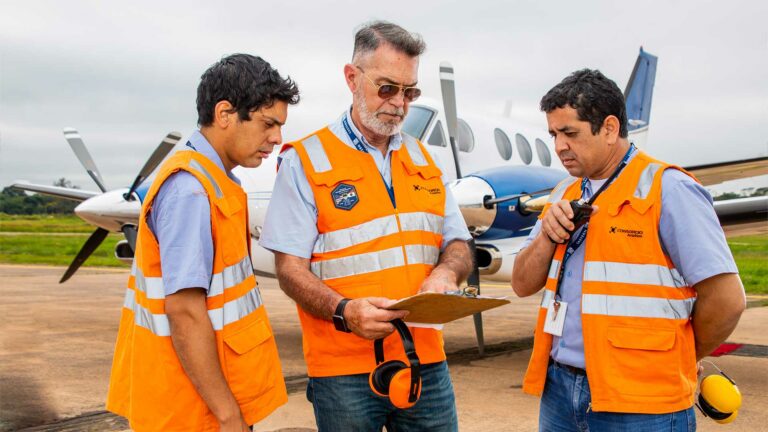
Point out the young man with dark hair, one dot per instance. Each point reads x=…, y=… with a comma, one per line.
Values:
x=618, y=338
x=359, y=217
x=195, y=350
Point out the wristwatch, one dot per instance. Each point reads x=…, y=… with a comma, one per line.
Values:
x=338, y=317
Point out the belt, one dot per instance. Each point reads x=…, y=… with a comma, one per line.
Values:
x=569, y=368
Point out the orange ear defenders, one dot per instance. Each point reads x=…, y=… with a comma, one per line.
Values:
x=395, y=379
x=719, y=398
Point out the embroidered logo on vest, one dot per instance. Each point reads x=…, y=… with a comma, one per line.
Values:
x=344, y=196
x=627, y=232
x=431, y=191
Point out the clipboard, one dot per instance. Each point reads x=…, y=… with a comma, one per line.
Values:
x=435, y=308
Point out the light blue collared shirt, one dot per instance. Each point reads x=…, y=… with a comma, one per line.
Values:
x=291, y=222
x=181, y=221
x=690, y=234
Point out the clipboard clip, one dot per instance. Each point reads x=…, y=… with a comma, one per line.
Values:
x=468, y=291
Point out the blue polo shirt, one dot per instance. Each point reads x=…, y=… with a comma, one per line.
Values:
x=690, y=234
x=291, y=223
x=181, y=221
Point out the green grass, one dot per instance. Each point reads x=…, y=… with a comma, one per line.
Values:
x=751, y=254
x=56, y=249
x=43, y=224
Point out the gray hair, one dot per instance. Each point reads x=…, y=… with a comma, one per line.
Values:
x=372, y=34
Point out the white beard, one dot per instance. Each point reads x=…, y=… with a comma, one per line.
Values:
x=371, y=120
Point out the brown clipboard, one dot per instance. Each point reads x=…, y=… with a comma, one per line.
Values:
x=435, y=308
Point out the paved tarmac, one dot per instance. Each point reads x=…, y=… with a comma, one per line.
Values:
x=56, y=344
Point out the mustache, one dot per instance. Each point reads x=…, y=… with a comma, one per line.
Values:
x=398, y=112
x=567, y=155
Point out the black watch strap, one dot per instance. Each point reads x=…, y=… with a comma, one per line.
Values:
x=338, y=317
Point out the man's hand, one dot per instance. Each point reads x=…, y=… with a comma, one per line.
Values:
x=558, y=221
x=194, y=340
x=439, y=282
x=367, y=318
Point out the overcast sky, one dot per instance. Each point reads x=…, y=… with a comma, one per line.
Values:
x=125, y=74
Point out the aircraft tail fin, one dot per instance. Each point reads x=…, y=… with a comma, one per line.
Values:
x=638, y=95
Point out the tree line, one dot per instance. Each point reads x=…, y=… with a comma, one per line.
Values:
x=14, y=201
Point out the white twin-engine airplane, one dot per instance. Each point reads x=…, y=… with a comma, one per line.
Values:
x=508, y=167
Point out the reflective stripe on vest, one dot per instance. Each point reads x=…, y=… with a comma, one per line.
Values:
x=632, y=306
x=414, y=151
x=641, y=274
x=229, y=277
x=196, y=165
x=547, y=297
x=231, y=312
x=379, y=227
x=374, y=261
x=554, y=267
x=646, y=180
x=316, y=153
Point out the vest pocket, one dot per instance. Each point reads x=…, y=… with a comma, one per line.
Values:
x=251, y=362
x=231, y=230
x=642, y=361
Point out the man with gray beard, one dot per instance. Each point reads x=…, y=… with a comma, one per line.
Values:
x=360, y=217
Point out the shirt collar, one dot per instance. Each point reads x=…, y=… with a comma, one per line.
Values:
x=395, y=141
x=592, y=185
x=198, y=143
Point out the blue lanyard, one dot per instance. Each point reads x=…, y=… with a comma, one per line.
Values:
x=360, y=144
x=576, y=242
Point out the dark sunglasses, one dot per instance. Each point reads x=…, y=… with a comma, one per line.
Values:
x=387, y=91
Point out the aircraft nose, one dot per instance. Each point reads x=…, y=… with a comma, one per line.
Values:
x=470, y=193
x=109, y=210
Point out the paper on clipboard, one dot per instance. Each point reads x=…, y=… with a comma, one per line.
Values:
x=435, y=308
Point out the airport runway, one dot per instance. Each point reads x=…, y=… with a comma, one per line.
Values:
x=56, y=345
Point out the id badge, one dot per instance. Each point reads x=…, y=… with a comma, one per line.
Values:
x=555, y=320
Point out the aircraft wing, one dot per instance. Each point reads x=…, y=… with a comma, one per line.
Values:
x=55, y=191
x=734, y=211
x=719, y=172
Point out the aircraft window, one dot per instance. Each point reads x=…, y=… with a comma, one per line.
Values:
x=503, y=144
x=524, y=148
x=417, y=120
x=543, y=151
x=437, y=138
x=466, y=137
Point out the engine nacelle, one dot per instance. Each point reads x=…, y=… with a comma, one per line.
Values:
x=123, y=252
x=503, y=220
x=496, y=261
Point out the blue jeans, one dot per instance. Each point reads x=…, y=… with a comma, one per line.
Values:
x=565, y=406
x=347, y=404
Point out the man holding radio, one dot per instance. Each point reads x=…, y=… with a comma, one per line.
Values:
x=621, y=283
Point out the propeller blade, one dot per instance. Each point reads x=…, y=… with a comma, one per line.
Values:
x=489, y=202
x=448, y=89
x=473, y=281
x=90, y=245
x=154, y=160
x=131, y=233
x=76, y=142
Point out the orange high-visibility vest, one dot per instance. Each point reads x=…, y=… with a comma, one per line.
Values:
x=148, y=384
x=636, y=308
x=368, y=248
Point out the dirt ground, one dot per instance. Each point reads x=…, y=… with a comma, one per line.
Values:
x=56, y=344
